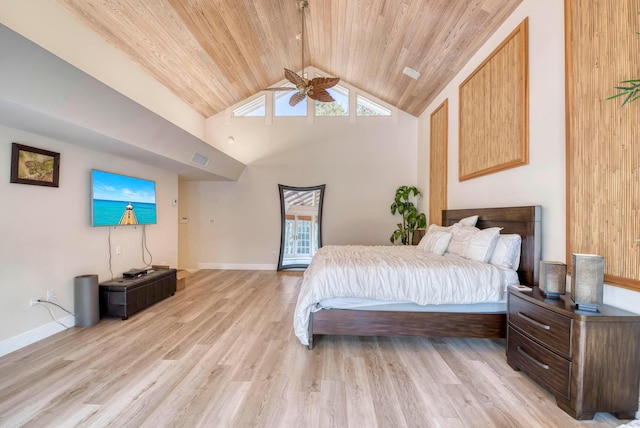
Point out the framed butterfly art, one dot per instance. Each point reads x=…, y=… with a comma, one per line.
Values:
x=30, y=165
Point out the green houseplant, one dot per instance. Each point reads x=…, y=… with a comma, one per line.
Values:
x=404, y=205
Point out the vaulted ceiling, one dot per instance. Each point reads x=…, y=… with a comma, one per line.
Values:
x=216, y=53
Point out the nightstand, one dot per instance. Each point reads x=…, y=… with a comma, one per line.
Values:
x=589, y=361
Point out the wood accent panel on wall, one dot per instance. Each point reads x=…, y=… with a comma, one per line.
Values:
x=494, y=110
x=603, y=154
x=438, y=145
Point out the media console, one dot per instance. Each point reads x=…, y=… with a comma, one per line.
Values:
x=122, y=297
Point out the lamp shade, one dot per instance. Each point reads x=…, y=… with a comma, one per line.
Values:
x=587, y=281
x=553, y=278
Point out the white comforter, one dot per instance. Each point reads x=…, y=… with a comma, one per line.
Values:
x=393, y=273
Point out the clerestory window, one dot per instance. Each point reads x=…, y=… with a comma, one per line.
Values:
x=253, y=108
x=366, y=107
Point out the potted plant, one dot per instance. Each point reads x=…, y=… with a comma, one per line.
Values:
x=411, y=220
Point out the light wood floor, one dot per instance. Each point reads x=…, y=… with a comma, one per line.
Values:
x=221, y=353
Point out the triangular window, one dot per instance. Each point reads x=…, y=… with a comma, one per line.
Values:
x=340, y=107
x=366, y=107
x=253, y=108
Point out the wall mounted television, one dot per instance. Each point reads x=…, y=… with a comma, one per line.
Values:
x=120, y=200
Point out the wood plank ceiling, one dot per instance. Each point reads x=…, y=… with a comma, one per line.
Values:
x=216, y=53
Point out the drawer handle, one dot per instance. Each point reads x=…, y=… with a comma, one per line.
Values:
x=533, y=360
x=534, y=322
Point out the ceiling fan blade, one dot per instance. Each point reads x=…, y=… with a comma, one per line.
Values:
x=281, y=88
x=324, y=82
x=321, y=95
x=296, y=98
x=293, y=77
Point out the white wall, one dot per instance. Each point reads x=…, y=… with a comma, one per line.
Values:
x=361, y=163
x=542, y=181
x=47, y=238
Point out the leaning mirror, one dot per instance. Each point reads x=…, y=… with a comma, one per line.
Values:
x=301, y=220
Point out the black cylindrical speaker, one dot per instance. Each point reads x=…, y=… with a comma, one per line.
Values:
x=86, y=300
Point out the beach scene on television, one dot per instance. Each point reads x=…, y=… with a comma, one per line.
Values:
x=122, y=200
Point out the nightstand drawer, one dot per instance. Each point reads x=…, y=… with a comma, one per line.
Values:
x=547, y=327
x=542, y=365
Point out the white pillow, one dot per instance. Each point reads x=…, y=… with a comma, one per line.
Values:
x=469, y=221
x=460, y=238
x=473, y=243
x=435, y=242
x=506, y=254
x=481, y=245
x=436, y=228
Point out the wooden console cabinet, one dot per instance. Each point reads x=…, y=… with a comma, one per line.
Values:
x=124, y=296
x=590, y=361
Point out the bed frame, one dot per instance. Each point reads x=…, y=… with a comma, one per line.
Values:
x=524, y=221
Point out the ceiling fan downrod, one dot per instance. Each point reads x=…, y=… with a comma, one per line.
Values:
x=315, y=88
x=303, y=5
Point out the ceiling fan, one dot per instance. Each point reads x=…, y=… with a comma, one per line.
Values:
x=315, y=88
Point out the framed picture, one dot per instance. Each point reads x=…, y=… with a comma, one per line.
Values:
x=30, y=165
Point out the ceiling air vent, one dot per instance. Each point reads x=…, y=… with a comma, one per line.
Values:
x=411, y=73
x=199, y=159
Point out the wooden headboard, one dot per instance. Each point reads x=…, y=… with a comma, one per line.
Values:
x=525, y=221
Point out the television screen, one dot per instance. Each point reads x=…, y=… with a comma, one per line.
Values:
x=118, y=200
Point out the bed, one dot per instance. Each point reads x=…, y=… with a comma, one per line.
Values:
x=491, y=323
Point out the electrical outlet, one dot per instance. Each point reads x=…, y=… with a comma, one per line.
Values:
x=33, y=302
x=51, y=295
x=118, y=250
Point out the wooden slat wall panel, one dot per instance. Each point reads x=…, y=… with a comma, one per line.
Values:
x=439, y=142
x=603, y=154
x=494, y=110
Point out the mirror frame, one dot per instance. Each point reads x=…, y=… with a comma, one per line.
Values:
x=281, y=189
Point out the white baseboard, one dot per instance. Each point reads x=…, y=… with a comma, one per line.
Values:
x=237, y=266
x=32, y=336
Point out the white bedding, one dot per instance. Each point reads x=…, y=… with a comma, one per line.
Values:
x=360, y=304
x=396, y=274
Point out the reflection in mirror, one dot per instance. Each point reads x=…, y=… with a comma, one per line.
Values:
x=301, y=236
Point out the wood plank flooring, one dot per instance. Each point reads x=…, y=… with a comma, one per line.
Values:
x=222, y=353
